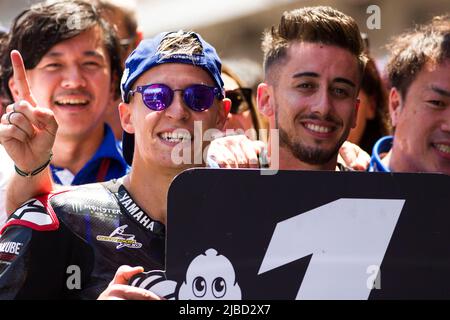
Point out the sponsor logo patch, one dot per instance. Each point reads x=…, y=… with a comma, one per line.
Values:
x=84, y=208
x=11, y=247
x=122, y=239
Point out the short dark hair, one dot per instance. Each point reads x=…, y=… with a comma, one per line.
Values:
x=411, y=50
x=312, y=24
x=37, y=29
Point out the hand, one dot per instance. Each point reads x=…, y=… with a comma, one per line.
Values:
x=236, y=151
x=352, y=156
x=27, y=131
x=118, y=289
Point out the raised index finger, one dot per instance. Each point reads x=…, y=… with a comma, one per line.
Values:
x=20, y=78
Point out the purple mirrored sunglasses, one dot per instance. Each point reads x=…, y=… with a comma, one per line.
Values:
x=197, y=97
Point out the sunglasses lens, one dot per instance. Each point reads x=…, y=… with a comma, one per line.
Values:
x=239, y=102
x=236, y=100
x=199, y=97
x=157, y=97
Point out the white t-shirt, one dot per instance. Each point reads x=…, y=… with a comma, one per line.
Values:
x=6, y=171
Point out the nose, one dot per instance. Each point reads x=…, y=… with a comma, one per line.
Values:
x=73, y=78
x=178, y=109
x=322, y=104
x=446, y=126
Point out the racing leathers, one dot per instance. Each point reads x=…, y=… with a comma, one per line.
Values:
x=68, y=245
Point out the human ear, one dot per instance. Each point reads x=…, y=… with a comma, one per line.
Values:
x=264, y=99
x=395, y=106
x=224, y=110
x=126, y=118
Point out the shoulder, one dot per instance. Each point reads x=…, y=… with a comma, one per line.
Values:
x=43, y=213
x=36, y=214
x=87, y=193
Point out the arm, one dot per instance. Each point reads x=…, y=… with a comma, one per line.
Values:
x=238, y=151
x=27, y=133
x=27, y=270
x=20, y=189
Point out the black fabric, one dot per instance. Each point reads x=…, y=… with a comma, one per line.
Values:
x=128, y=147
x=96, y=234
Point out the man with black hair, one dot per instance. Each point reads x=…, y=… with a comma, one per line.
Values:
x=419, y=102
x=72, y=61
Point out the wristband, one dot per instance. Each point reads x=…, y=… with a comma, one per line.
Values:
x=34, y=172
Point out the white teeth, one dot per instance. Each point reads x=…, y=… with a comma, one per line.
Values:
x=176, y=136
x=443, y=147
x=72, y=101
x=317, y=128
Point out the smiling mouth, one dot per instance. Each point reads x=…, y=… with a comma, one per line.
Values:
x=175, y=137
x=71, y=102
x=317, y=128
x=445, y=148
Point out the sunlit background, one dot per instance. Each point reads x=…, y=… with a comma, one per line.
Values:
x=234, y=27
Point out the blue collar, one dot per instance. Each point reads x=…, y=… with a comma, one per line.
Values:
x=108, y=149
x=383, y=145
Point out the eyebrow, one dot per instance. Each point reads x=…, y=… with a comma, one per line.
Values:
x=316, y=75
x=440, y=91
x=89, y=53
x=92, y=53
x=306, y=74
x=344, y=80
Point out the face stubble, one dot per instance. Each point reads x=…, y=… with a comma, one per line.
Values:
x=314, y=155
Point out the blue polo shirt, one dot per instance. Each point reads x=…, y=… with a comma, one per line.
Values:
x=107, y=159
x=381, y=146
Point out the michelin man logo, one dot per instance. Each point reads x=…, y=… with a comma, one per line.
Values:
x=210, y=276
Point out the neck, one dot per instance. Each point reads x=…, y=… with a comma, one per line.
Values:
x=397, y=161
x=73, y=152
x=149, y=188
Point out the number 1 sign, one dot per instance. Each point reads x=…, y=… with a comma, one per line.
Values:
x=237, y=234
